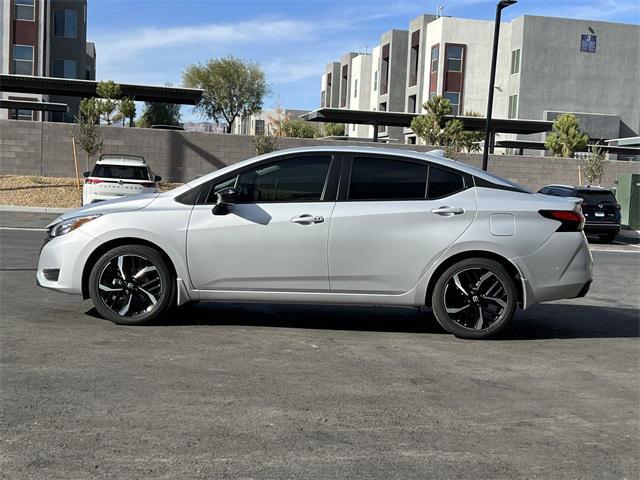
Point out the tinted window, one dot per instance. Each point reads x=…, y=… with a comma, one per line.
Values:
x=380, y=179
x=443, y=183
x=291, y=180
x=121, y=171
x=591, y=196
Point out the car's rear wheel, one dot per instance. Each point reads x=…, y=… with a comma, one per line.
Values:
x=132, y=285
x=474, y=298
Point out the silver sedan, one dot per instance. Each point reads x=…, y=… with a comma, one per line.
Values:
x=330, y=225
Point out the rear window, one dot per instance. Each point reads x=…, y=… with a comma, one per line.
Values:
x=121, y=171
x=591, y=196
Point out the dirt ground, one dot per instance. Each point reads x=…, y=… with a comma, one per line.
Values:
x=56, y=192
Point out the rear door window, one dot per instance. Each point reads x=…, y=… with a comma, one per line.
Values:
x=125, y=172
x=375, y=178
x=443, y=183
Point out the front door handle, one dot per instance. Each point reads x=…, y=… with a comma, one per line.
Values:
x=447, y=211
x=307, y=219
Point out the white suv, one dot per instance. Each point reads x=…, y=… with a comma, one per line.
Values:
x=118, y=176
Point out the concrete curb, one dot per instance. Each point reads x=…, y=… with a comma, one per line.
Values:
x=13, y=208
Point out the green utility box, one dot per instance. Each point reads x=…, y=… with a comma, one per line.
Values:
x=628, y=196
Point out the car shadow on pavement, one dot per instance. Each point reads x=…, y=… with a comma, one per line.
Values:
x=544, y=321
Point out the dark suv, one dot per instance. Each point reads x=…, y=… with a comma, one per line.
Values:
x=599, y=206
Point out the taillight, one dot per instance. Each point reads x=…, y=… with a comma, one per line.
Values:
x=570, y=221
x=93, y=180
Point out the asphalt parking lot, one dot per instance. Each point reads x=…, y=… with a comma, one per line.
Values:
x=268, y=391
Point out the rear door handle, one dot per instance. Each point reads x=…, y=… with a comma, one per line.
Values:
x=447, y=211
x=307, y=219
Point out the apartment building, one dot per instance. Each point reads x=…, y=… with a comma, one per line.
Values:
x=264, y=121
x=45, y=38
x=545, y=66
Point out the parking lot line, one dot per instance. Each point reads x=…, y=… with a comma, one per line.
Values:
x=24, y=229
x=612, y=250
x=628, y=244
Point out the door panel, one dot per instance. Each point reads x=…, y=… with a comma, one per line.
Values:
x=386, y=246
x=257, y=246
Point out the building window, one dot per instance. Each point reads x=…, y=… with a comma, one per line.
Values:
x=382, y=108
x=21, y=114
x=384, y=66
x=454, y=59
x=23, y=59
x=454, y=98
x=328, y=97
x=415, y=58
x=355, y=88
x=513, y=106
x=65, y=23
x=411, y=104
x=515, y=61
x=25, y=10
x=375, y=80
x=344, y=84
x=435, y=54
x=64, y=68
x=259, y=127
x=433, y=77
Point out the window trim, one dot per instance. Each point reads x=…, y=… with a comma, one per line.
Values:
x=345, y=177
x=32, y=61
x=17, y=3
x=328, y=193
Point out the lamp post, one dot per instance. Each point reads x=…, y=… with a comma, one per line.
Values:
x=502, y=4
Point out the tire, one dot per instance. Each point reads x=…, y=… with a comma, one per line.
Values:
x=132, y=285
x=608, y=237
x=474, y=298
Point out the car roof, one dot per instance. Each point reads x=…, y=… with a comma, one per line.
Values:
x=434, y=158
x=121, y=159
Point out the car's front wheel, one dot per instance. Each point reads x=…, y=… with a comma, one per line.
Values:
x=474, y=298
x=132, y=285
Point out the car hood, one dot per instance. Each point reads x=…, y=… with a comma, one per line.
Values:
x=124, y=204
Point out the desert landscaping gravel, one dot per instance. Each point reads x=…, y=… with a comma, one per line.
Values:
x=56, y=192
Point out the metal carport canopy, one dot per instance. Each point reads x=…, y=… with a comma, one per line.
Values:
x=87, y=88
x=31, y=105
x=401, y=119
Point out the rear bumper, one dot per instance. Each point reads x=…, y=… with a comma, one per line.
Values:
x=601, y=227
x=562, y=268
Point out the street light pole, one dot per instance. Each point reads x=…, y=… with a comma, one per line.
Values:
x=502, y=4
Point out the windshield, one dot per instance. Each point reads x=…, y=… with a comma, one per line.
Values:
x=602, y=196
x=121, y=171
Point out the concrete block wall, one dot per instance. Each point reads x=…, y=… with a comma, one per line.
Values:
x=42, y=148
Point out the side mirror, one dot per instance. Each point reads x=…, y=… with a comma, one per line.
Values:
x=224, y=198
x=157, y=178
x=86, y=174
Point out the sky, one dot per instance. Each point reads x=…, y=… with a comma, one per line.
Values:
x=151, y=41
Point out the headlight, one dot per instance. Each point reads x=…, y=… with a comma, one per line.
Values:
x=70, y=225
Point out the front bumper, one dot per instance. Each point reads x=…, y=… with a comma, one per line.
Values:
x=66, y=256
